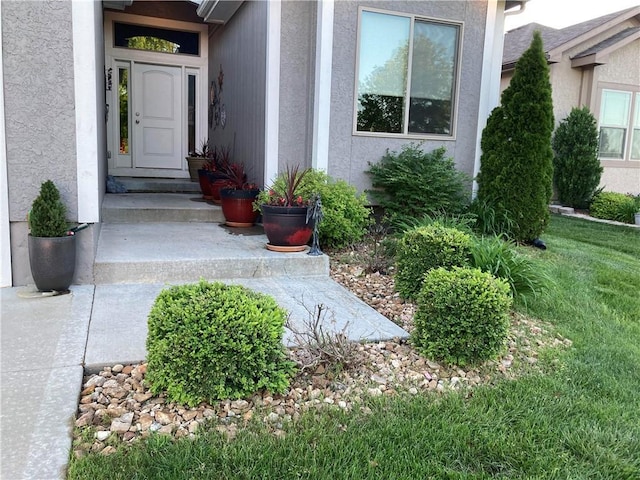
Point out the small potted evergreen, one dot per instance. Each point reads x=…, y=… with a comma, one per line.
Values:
x=52, y=246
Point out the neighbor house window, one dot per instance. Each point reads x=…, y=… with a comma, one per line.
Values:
x=407, y=75
x=619, y=125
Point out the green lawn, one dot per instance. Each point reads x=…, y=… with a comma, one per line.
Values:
x=581, y=420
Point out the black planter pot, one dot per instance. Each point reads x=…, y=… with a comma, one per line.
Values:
x=53, y=262
x=286, y=227
x=237, y=206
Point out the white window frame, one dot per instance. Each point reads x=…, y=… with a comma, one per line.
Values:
x=456, y=87
x=634, y=91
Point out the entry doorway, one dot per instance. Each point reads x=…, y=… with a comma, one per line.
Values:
x=156, y=95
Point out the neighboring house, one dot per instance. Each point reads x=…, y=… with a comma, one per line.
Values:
x=128, y=88
x=594, y=64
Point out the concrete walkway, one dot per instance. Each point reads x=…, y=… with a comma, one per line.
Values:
x=48, y=341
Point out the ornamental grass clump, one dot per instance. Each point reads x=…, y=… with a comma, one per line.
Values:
x=615, y=206
x=462, y=315
x=211, y=341
x=425, y=248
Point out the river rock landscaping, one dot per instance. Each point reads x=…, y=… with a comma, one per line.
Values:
x=117, y=406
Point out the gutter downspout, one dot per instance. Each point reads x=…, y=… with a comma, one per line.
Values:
x=272, y=96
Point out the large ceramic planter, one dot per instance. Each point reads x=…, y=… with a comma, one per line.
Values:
x=217, y=182
x=53, y=262
x=195, y=164
x=237, y=206
x=286, y=228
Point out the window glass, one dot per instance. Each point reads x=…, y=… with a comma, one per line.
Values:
x=123, y=94
x=390, y=64
x=432, y=77
x=635, y=140
x=382, y=72
x=612, y=142
x=155, y=39
x=191, y=112
x=615, y=108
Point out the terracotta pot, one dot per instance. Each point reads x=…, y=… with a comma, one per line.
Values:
x=286, y=227
x=237, y=206
x=52, y=261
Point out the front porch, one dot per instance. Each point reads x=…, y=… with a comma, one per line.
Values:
x=150, y=239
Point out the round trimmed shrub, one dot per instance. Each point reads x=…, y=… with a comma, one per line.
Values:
x=211, y=341
x=462, y=315
x=614, y=206
x=424, y=248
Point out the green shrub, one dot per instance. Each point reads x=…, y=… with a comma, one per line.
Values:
x=463, y=222
x=346, y=217
x=210, y=341
x=462, y=315
x=615, y=206
x=576, y=167
x=424, y=248
x=413, y=183
x=501, y=259
x=516, y=167
x=47, y=217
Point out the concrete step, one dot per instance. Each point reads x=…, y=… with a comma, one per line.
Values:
x=186, y=252
x=159, y=185
x=158, y=207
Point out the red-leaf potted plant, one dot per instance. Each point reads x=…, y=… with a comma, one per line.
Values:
x=237, y=196
x=285, y=212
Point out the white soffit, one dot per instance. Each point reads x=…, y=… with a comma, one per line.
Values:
x=218, y=11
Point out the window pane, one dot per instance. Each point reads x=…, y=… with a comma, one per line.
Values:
x=156, y=39
x=635, y=139
x=191, y=113
x=615, y=108
x=123, y=93
x=382, y=72
x=432, y=77
x=612, y=142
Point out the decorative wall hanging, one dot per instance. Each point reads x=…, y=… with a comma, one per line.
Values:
x=217, y=112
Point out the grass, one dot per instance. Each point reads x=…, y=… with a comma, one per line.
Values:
x=580, y=420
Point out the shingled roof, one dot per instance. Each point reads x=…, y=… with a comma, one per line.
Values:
x=516, y=41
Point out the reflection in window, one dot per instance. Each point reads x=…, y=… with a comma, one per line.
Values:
x=191, y=112
x=123, y=93
x=156, y=39
x=614, y=121
x=635, y=139
x=385, y=75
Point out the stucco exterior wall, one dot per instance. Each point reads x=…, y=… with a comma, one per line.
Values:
x=40, y=116
x=240, y=48
x=349, y=154
x=39, y=99
x=297, y=83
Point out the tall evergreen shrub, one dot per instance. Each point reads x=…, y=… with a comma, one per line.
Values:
x=576, y=168
x=516, y=164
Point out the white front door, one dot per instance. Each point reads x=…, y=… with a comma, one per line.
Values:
x=157, y=116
